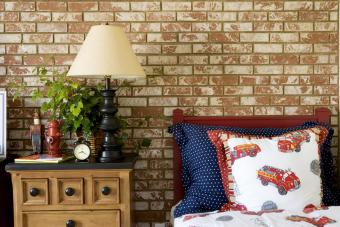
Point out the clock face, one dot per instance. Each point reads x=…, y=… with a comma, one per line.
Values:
x=82, y=151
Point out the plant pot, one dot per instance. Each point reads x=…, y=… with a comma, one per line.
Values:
x=53, y=136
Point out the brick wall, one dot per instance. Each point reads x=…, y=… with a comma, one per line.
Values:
x=206, y=57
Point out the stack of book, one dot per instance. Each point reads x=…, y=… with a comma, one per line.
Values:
x=42, y=158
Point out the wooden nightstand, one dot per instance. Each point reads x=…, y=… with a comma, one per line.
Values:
x=72, y=194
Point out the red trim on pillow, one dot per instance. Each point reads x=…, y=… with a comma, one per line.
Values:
x=224, y=159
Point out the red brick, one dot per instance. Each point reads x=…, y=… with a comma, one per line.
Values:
x=326, y=5
x=238, y=6
x=298, y=5
x=268, y=90
x=208, y=69
x=82, y=6
x=160, y=16
x=224, y=101
x=176, y=91
x=268, y=26
x=38, y=60
x=145, y=6
x=315, y=37
x=190, y=60
x=325, y=26
x=313, y=16
x=212, y=90
x=114, y=6
x=298, y=90
x=20, y=27
x=52, y=27
x=193, y=80
x=252, y=16
x=284, y=80
x=283, y=16
x=285, y=100
x=284, y=59
x=193, y=101
x=38, y=38
x=238, y=90
x=254, y=100
x=193, y=37
x=9, y=16
x=238, y=111
x=176, y=6
x=224, y=59
x=207, y=6
x=314, y=100
x=12, y=60
x=268, y=5
x=243, y=26
x=208, y=111
x=130, y=16
x=191, y=16
x=51, y=6
x=71, y=17
x=21, y=49
x=80, y=27
x=224, y=37
x=222, y=16
x=36, y=16
x=162, y=80
x=254, y=59
x=162, y=37
x=252, y=80
x=298, y=110
x=208, y=27
x=19, y=6
x=99, y=16
x=313, y=59
x=268, y=110
x=176, y=27
x=207, y=48
x=237, y=48
x=176, y=48
x=64, y=59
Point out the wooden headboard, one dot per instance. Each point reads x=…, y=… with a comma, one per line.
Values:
x=321, y=115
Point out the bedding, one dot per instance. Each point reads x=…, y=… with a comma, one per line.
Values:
x=200, y=171
x=280, y=172
x=312, y=216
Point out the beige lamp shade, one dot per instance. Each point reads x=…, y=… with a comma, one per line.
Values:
x=106, y=51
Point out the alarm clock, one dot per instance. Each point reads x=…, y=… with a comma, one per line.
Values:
x=82, y=150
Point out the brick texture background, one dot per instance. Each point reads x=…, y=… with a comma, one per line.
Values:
x=207, y=57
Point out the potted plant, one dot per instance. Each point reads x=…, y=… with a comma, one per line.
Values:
x=75, y=107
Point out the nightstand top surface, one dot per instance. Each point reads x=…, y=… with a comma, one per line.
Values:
x=126, y=163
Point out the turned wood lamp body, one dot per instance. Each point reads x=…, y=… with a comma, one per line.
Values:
x=107, y=54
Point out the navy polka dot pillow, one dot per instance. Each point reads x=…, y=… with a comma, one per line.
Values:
x=201, y=174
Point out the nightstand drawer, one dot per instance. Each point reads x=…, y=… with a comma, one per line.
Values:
x=70, y=191
x=106, y=190
x=34, y=191
x=72, y=219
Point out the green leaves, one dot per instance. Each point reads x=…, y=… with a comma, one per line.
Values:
x=76, y=109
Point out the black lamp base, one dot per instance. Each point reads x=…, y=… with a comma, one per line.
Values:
x=110, y=150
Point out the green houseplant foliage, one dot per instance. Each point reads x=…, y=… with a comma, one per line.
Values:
x=75, y=105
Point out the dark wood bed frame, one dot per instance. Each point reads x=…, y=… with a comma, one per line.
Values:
x=321, y=115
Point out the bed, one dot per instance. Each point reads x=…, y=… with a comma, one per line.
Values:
x=313, y=216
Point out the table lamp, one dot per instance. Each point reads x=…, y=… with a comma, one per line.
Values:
x=106, y=53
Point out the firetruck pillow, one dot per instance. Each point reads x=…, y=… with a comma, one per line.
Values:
x=263, y=173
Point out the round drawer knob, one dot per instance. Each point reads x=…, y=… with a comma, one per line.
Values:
x=69, y=191
x=70, y=223
x=34, y=192
x=106, y=190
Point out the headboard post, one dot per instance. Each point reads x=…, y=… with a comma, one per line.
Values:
x=178, y=116
x=323, y=115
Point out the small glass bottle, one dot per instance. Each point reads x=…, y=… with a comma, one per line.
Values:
x=36, y=132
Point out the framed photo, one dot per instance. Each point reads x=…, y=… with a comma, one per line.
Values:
x=3, y=128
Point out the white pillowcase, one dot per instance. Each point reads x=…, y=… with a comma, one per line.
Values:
x=273, y=173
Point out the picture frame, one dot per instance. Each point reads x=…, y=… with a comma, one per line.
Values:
x=3, y=123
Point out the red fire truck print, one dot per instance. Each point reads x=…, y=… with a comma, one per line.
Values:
x=292, y=142
x=244, y=150
x=284, y=180
x=319, y=222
